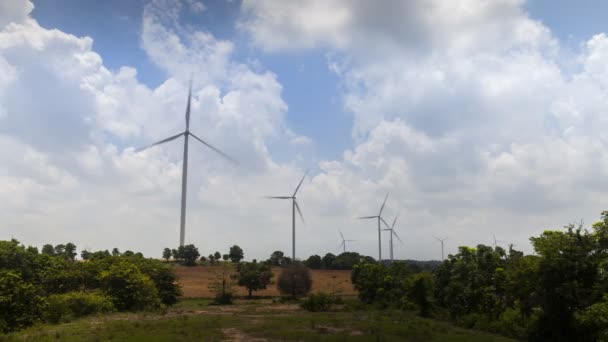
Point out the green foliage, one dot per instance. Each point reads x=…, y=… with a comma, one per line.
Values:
x=314, y=262
x=277, y=258
x=295, y=280
x=222, y=284
x=167, y=254
x=187, y=254
x=421, y=292
x=254, y=276
x=318, y=302
x=129, y=288
x=235, y=254
x=328, y=261
x=67, y=306
x=21, y=303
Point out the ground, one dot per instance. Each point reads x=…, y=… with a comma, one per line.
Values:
x=257, y=321
x=195, y=282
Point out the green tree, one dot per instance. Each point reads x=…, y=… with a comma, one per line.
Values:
x=314, y=262
x=295, y=280
x=115, y=252
x=167, y=254
x=48, y=249
x=21, y=303
x=276, y=258
x=235, y=254
x=254, y=276
x=222, y=284
x=129, y=288
x=217, y=256
x=328, y=261
x=189, y=254
x=85, y=255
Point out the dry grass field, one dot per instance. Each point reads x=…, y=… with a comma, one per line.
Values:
x=195, y=282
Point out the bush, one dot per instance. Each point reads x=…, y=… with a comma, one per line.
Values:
x=222, y=285
x=20, y=303
x=67, y=306
x=318, y=302
x=295, y=280
x=129, y=288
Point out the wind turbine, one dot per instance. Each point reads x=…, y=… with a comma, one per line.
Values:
x=379, y=217
x=495, y=243
x=393, y=232
x=344, y=241
x=294, y=207
x=441, y=240
x=186, y=134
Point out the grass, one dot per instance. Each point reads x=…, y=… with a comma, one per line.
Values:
x=196, y=320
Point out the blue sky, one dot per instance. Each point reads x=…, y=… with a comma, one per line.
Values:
x=479, y=118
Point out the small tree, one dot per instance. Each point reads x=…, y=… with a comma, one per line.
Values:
x=115, y=252
x=48, y=249
x=211, y=259
x=276, y=258
x=236, y=254
x=254, y=276
x=85, y=255
x=190, y=254
x=314, y=262
x=167, y=254
x=295, y=280
x=222, y=284
x=217, y=255
x=225, y=257
x=70, y=251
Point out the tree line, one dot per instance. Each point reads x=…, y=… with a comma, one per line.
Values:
x=559, y=293
x=51, y=286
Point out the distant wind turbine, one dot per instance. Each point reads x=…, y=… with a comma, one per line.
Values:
x=344, y=241
x=495, y=243
x=294, y=207
x=379, y=217
x=441, y=240
x=186, y=134
x=392, y=231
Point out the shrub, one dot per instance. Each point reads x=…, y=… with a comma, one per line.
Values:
x=20, y=303
x=67, y=306
x=129, y=288
x=295, y=280
x=222, y=285
x=318, y=302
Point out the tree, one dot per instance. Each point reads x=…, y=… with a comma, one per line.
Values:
x=235, y=254
x=70, y=251
x=129, y=288
x=421, y=293
x=48, y=249
x=189, y=254
x=21, y=302
x=115, y=252
x=59, y=249
x=254, y=276
x=276, y=258
x=222, y=284
x=211, y=259
x=167, y=254
x=314, y=262
x=295, y=280
x=217, y=255
x=328, y=261
x=225, y=257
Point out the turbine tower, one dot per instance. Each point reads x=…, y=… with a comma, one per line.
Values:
x=344, y=241
x=441, y=240
x=186, y=134
x=392, y=231
x=379, y=217
x=294, y=207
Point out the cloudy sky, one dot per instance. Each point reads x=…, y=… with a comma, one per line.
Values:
x=479, y=118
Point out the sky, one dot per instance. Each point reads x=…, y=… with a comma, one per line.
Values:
x=480, y=118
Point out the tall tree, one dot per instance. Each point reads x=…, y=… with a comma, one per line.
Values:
x=167, y=254
x=235, y=254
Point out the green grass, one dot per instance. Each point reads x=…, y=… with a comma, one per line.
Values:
x=196, y=320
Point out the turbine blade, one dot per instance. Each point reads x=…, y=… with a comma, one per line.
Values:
x=398, y=238
x=385, y=224
x=383, y=203
x=160, y=142
x=395, y=221
x=341, y=234
x=342, y=244
x=299, y=211
x=214, y=148
x=278, y=197
x=367, y=217
x=300, y=184
x=188, y=106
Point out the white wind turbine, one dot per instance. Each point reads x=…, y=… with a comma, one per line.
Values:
x=186, y=134
x=379, y=217
x=294, y=207
x=392, y=231
x=344, y=241
x=441, y=240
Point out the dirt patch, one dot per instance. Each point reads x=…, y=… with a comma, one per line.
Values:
x=195, y=282
x=235, y=335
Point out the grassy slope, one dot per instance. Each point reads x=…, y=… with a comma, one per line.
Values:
x=194, y=320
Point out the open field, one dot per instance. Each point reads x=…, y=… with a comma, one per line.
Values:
x=195, y=281
x=257, y=321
